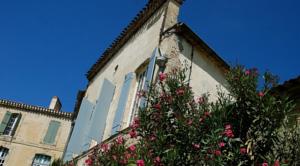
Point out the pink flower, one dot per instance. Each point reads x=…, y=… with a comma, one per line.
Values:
x=207, y=113
x=243, y=150
x=190, y=122
x=277, y=163
x=247, y=72
x=227, y=127
x=162, y=76
x=261, y=94
x=201, y=120
x=201, y=100
x=114, y=157
x=88, y=162
x=218, y=153
x=140, y=163
x=221, y=144
x=157, y=106
x=133, y=133
x=157, y=160
x=265, y=164
x=152, y=138
x=229, y=133
x=132, y=148
x=196, y=146
x=180, y=91
x=119, y=139
x=136, y=123
x=104, y=147
x=127, y=156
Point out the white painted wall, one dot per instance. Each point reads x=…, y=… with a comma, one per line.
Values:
x=135, y=52
x=205, y=76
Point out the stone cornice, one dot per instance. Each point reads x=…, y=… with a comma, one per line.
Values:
x=35, y=109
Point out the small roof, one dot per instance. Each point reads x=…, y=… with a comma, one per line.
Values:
x=35, y=109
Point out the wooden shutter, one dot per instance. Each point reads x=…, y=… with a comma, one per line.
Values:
x=149, y=74
x=16, y=125
x=51, y=132
x=5, y=121
x=101, y=110
x=123, y=100
x=81, y=125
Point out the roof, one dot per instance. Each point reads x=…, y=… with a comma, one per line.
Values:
x=139, y=20
x=290, y=88
x=36, y=109
x=183, y=30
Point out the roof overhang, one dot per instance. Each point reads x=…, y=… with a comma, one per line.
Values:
x=186, y=32
x=139, y=20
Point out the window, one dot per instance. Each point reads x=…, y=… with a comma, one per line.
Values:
x=41, y=160
x=51, y=132
x=141, y=80
x=9, y=123
x=3, y=154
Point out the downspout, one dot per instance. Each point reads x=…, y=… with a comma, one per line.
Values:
x=191, y=66
x=163, y=26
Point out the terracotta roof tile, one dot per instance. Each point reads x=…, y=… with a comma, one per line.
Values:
x=37, y=109
x=151, y=7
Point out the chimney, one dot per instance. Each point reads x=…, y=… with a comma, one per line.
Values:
x=55, y=104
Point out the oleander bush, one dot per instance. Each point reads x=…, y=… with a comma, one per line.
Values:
x=246, y=125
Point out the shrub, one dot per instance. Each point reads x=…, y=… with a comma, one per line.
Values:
x=245, y=126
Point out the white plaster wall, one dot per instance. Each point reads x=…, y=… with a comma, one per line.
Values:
x=135, y=52
x=205, y=76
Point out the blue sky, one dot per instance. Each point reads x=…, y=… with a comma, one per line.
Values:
x=46, y=47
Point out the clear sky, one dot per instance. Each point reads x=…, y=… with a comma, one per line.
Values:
x=46, y=47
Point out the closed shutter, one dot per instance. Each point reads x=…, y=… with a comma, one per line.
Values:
x=5, y=121
x=16, y=125
x=149, y=74
x=51, y=132
x=123, y=100
x=101, y=110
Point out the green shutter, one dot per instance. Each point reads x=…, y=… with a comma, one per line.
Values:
x=5, y=121
x=17, y=124
x=51, y=132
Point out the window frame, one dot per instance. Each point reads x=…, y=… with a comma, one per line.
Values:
x=135, y=104
x=39, y=163
x=3, y=153
x=11, y=126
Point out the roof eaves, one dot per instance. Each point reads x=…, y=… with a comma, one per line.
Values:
x=36, y=109
x=183, y=30
x=151, y=7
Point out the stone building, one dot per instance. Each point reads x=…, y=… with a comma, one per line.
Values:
x=32, y=135
x=154, y=41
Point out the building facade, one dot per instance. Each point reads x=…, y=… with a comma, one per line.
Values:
x=32, y=135
x=131, y=63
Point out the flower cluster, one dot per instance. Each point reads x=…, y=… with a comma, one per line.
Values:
x=178, y=128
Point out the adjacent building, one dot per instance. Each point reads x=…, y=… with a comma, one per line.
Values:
x=32, y=135
x=154, y=41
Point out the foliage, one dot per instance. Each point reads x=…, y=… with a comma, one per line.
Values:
x=245, y=126
x=57, y=162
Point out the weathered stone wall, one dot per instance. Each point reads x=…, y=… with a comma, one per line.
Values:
x=28, y=138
